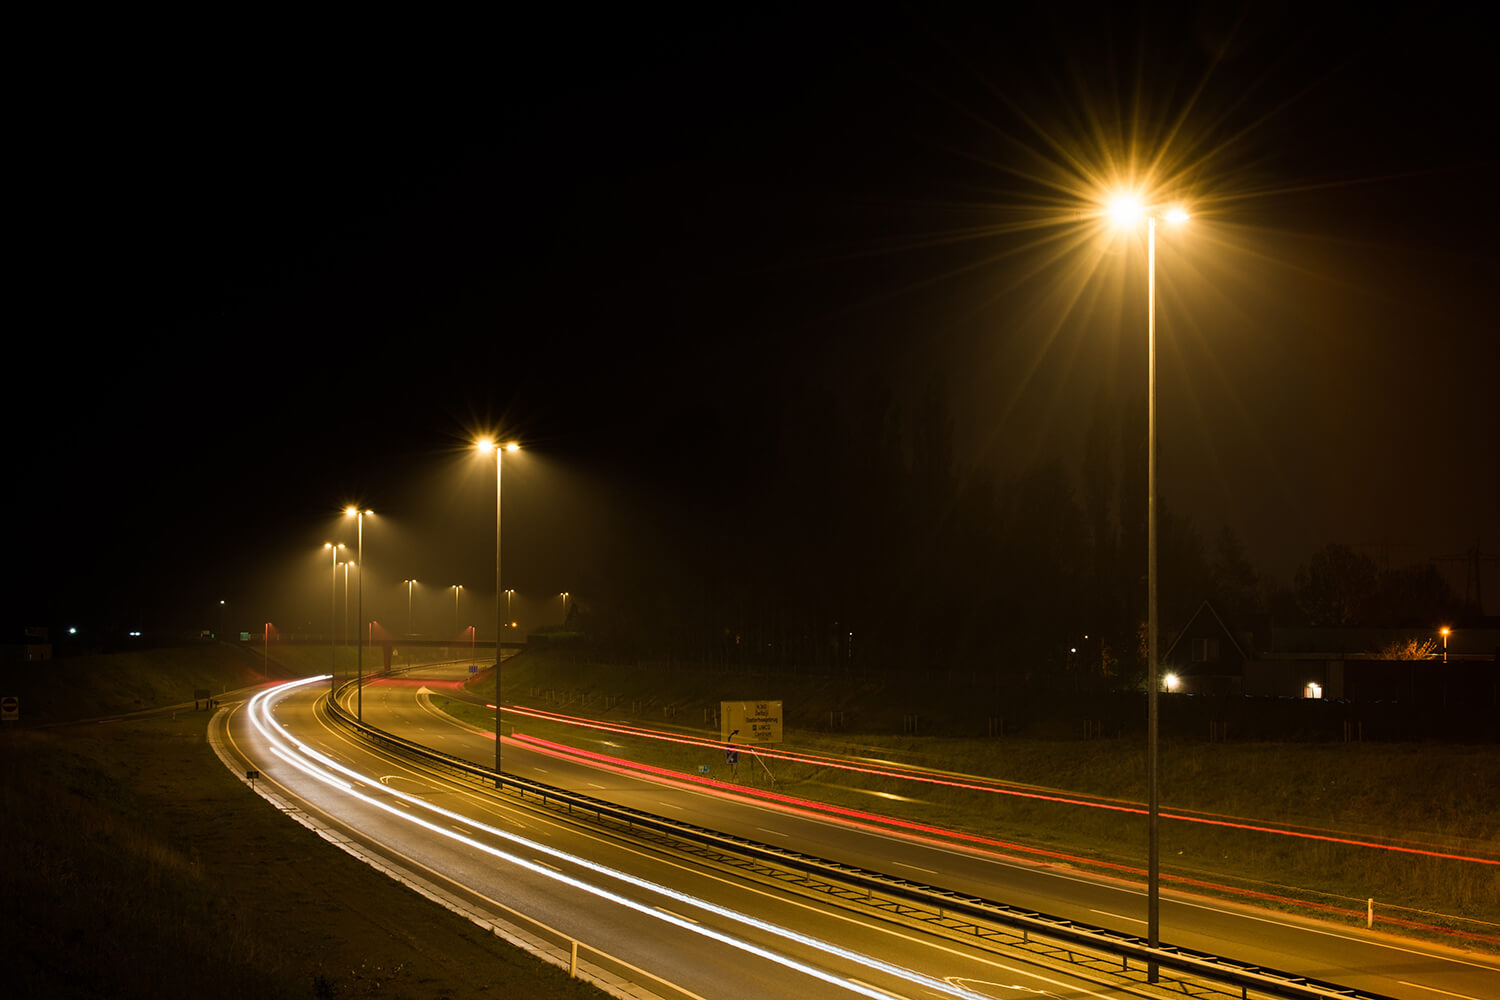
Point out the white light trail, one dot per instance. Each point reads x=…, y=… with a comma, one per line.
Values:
x=287, y=748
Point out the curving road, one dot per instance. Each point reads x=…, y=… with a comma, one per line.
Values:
x=683, y=928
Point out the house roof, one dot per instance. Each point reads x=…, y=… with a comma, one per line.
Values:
x=1187, y=629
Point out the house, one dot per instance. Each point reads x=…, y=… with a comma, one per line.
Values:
x=1205, y=656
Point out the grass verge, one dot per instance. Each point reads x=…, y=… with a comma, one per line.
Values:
x=137, y=866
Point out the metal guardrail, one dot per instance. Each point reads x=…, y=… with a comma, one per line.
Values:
x=1244, y=977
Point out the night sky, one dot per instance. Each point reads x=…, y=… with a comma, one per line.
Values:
x=265, y=268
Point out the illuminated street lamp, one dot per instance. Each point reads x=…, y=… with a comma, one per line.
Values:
x=359, y=656
x=333, y=610
x=1444, y=633
x=1127, y=210
x=457, y=589
x=509, y=593
x=484, y=446
x=564, y=596
x=408, y=605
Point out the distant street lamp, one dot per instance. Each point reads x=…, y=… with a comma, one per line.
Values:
x=1444, y=632
x=408, y=604
x=484, y=446
x=1128, y=210
x=564, y=596
x=509, y=593
x=265, y=655
x=333, y=611
x=359, y=656
x=457, y=589
x=473, y=639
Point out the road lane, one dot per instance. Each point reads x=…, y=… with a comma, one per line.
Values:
x=713, y=933
x=1365, y=960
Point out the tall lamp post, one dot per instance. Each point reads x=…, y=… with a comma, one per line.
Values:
x=564, y=596
x=484, y=446
x=457, y=590
x=359, y=656
x=333, y=612
x=408, y=605
x=1128, y=211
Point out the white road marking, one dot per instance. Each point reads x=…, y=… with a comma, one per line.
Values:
x=774, y=833
x=677, y=915
x=1434, y=989
x=669, y=805
x=1106, y=913
x=917, y=868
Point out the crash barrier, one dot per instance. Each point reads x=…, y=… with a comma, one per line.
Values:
x=1026, y=924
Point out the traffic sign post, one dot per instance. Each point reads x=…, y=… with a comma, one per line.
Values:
x=10, y=708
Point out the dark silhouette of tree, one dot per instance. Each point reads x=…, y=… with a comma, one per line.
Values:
x=1414, y=596
x=1234, y=586
x=1336, y=587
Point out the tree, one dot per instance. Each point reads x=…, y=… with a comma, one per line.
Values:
x=1234, y=586
x=1414, y=596
x=1407, y=649
x=1336, y=587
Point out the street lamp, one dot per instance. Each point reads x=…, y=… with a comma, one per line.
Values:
x=408, y=604
x=1444, y=633
x=564, y=596
x=359, y=656
x=485, y=446
x=1128, y=210
x=509, y=593
x=344, y=622
x=457, y=589
x=333, y=610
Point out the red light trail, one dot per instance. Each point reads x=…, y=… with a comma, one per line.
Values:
x=939, y=836
x=999, y=788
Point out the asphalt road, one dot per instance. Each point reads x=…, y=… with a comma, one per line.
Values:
x=697, y=937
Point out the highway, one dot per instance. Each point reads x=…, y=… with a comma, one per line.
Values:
x=682, y=927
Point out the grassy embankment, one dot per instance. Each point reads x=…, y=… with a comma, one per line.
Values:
x=1431, y=794
x=136, y=865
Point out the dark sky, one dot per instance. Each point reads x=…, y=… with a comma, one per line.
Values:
x=268, y=267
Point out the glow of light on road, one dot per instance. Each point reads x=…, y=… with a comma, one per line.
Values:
x=997, y=789
x=287, y=747
x=940, y=837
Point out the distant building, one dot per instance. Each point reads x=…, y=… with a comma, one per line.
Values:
x=1207, y=657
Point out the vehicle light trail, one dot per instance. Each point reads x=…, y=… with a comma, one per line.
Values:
x=324, y=769
x=939, y=836
x=998, y=789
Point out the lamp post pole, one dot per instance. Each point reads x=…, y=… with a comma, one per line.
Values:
x=1153, y=773
x=333, y=613
x=487, y=445
x=1128, y=210
x=408, y=604
x=359, y=656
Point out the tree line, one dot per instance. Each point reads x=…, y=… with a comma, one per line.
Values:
x=850, y=539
